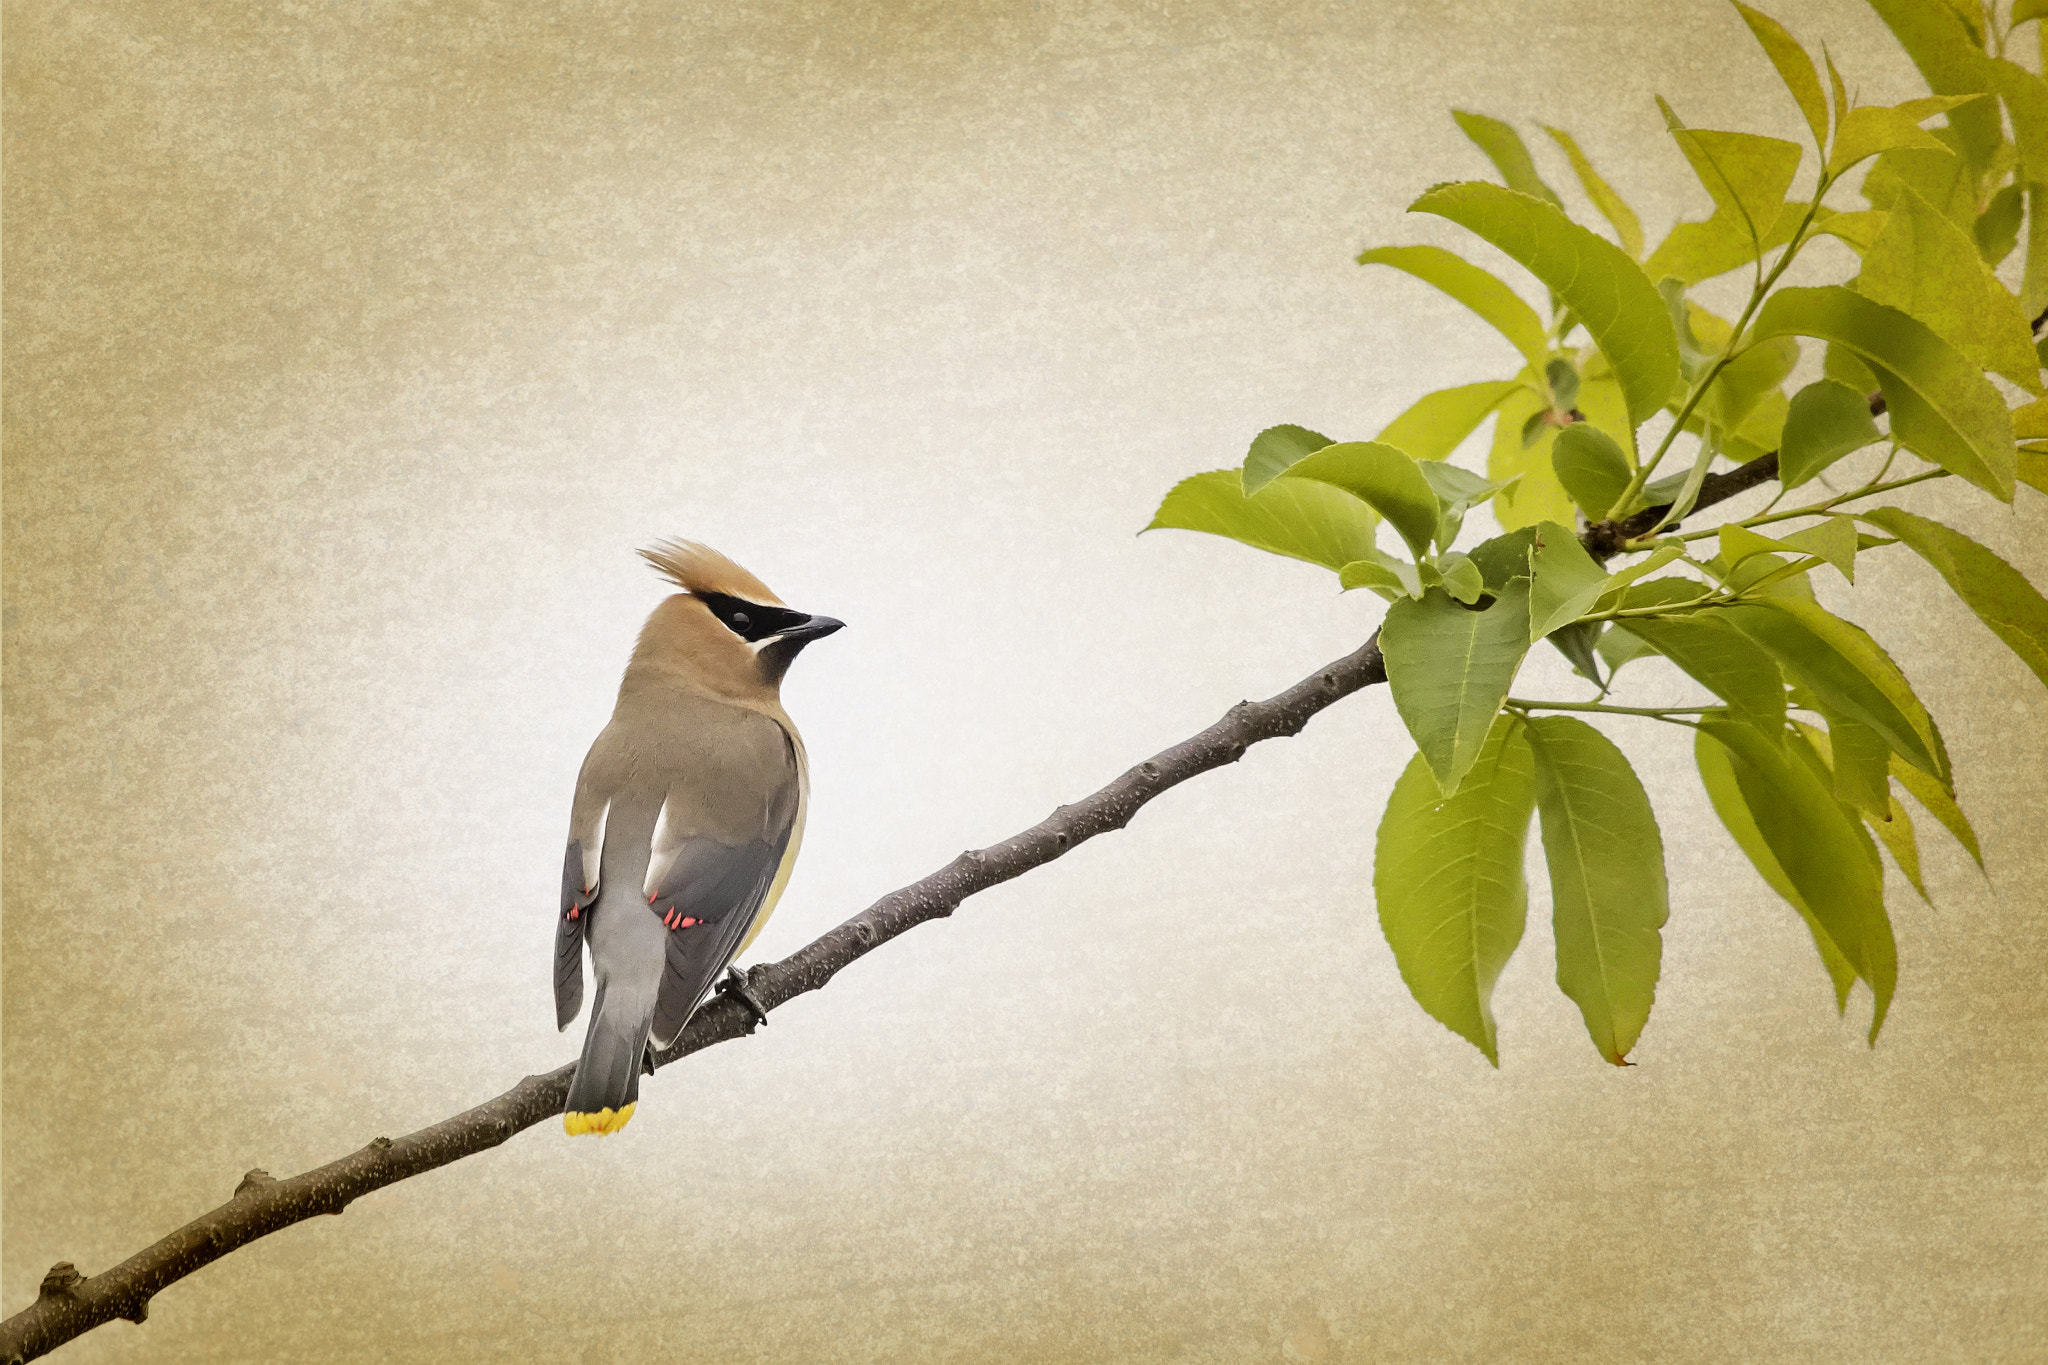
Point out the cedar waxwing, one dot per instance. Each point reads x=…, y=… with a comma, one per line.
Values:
x=687, y=818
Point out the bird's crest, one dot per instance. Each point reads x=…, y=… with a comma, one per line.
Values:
x=700, y=569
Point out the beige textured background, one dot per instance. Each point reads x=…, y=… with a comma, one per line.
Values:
x=350, y=351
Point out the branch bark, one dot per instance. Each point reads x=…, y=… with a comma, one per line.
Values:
x=70, y=1305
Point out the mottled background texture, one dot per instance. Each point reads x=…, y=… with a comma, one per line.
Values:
x=351, y=350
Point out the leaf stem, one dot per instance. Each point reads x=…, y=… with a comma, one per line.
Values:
x=1818, y=508
x=1602, y=708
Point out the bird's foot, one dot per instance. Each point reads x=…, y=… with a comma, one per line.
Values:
x=647, y=1059
x=735, y=984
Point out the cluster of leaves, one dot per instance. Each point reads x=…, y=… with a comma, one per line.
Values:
x=1812, y=731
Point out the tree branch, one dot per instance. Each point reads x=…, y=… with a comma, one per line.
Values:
x=70, y=1305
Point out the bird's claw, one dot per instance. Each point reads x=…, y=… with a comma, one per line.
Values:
x=735, y=985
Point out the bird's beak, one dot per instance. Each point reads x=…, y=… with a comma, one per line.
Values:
x=811, y=628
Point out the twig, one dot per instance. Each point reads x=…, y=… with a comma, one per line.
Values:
x=70, y=1305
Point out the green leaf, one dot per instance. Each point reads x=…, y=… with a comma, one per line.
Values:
x=1940, y=177
x=1536, y=495
x=1607, y=887
x=2001, y=597
x=1592, y=468
x=2030, y=420
x=2034, y=281
x=1579, y=641
x=1742, y=549
x=1458, y=491
x=2025, y=10
x=1952, y=65
x=1504, y=558
x=1746, y=175
x=1937, y=801
x=1694, y=354
x=1847, y=670
x=2026, y=102
x=1833, y=538
x=1772, y=576
x=1461, y=578
x=1447, y=874
x=1504, y=148
x=1927, y=267
x=1821, y=850
x=1859, y=762
x=1618, y=647
x=1975, y=15
x=1839, y=95
x=1721, y=659
x=1611, y=205
x=1795, y=68
x=1385, y=479
x=1477, y=289
x=1693, y=252
x=1760, y=429
x=1895, y=832
x=1746, y=381
x=1827, y=420
x=1689, y=491
x=1435, y=423
x=1449, y=668
x=1273, y=450
x=2033, y=469
x=1387, y=575
x=1563, y=378
x=1867, y=131
x=1858, y=229
x=1618, y=304
x=1941, y=405
x=1293, y=517
x=1997, y=230
x=1565, y=581
x=1717, y=775
x=1841, y=365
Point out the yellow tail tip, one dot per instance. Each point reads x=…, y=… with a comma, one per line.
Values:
x=602, y=1122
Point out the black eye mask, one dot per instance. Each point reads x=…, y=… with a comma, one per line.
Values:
x=750, y=620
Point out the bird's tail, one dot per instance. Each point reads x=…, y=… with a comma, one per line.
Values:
x=607, y=1083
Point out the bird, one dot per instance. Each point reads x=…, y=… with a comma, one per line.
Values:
x=688, y=813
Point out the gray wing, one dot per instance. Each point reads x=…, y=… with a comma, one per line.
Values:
x=580, y=868
x=576, y=902
x=708, y=898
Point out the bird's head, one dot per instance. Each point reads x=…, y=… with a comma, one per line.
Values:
x=725, y=632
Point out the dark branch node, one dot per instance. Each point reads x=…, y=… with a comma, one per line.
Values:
x=1606, y=539
x=61, y=1282
x=257, y=1179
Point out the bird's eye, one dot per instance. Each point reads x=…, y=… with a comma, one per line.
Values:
x=740, y=620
